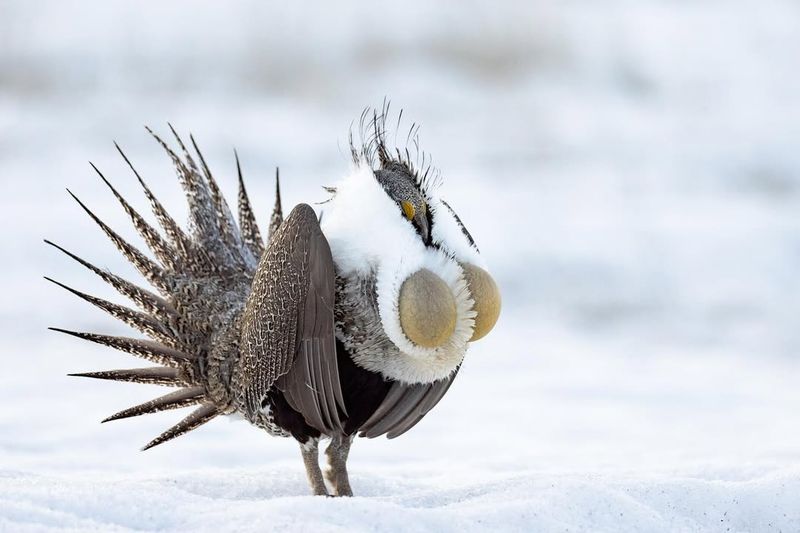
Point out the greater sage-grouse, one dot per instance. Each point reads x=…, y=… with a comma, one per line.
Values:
x=354, y=323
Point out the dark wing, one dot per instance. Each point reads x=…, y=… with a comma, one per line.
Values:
x=287, y=337
x=404, y=406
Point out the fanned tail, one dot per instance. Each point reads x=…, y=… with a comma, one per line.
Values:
x=202, y=277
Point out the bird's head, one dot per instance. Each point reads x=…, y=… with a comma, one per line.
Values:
x=400, y=184
x=387, y=222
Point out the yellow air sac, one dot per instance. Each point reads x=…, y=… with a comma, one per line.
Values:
x=487, y=299
x=427, y=309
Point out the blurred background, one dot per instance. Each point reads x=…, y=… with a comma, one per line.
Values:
x=630, y=170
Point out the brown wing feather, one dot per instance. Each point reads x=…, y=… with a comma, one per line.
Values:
x=287, y=326
x=404, y=406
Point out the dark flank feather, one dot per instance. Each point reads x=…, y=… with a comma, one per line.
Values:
x=435, y=392
x=404, y=406
x=388, y=413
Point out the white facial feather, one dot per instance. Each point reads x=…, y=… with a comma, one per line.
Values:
x=365, y=227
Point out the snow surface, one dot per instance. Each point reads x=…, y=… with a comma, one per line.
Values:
x=630, y=171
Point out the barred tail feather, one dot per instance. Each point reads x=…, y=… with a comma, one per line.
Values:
x=173, y=231
x=153, y=273
x=144, y=323
x=228, y=229
x=247, y=220
x=198, y=195
x=146, y=349
x=163, y=251
x=277, y=212
x=224, y=220
x=146, y=300
x=157, y=375
x=198, y=417
x=189, y=159
x=173, y=400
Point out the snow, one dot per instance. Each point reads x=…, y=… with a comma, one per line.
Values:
x=523, y=502
x=629, y=171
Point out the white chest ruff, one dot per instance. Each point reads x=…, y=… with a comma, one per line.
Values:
x=369, y=236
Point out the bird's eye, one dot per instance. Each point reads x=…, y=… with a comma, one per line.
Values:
x=408, y=209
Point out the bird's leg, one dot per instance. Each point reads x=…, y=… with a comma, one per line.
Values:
x=310, y=451
x=336, y=473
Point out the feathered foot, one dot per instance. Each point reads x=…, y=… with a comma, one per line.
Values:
x=336, y=473
x=310, y=452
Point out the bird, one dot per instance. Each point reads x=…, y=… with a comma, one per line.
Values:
x=349, y=323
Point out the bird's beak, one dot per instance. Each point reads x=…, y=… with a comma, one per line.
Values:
x=422, y=223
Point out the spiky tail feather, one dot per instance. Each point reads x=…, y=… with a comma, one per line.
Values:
x=213, y=261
